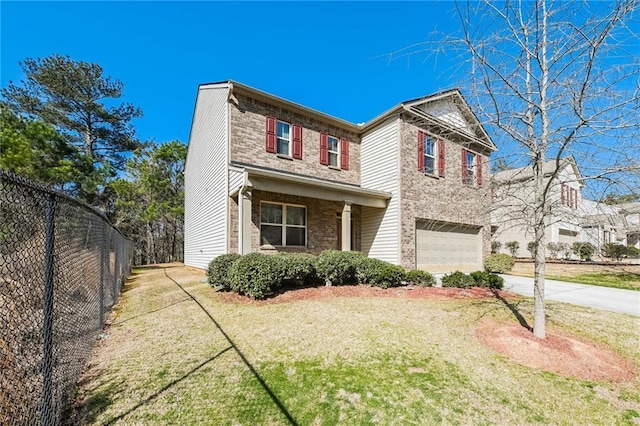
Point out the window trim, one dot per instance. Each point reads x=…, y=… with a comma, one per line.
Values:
x=336, y=152
x=436, y=166
x=284, y=224
x=290, y=140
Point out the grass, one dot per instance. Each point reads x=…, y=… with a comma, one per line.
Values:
x=334, y=361
x=620, y=275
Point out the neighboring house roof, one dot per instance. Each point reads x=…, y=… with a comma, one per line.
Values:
x=629, y=208
x=411, y=106
x=548, y=167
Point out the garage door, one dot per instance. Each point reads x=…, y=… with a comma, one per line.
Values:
x=448, y=247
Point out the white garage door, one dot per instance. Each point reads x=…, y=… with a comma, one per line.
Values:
x=448, y=247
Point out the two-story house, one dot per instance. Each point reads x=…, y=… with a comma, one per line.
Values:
x=265, y=174
x=514, y=204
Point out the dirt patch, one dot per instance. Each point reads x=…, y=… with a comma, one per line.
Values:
x=559, y=353
x=409, y=292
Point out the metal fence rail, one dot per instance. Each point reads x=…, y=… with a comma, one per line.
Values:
x=62, y=266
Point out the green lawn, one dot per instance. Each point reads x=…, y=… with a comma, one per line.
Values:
x=627, y=281
x=341, y=360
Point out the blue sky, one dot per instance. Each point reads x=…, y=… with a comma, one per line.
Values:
x=328, y=56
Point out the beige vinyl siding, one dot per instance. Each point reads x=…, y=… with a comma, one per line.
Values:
x=447, y=111
x=379, y=170
x=206, y=179
x=235, y=179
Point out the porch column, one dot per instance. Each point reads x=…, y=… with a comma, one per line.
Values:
x=244, y=222
x=346, y=226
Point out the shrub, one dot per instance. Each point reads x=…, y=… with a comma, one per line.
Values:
x=499, y=263
x=513, y=247
x=457, y=279
x=583, y=250
x=217, y=272
x=565, y=249
x=257, y=275
x=554, y=249
x=495, y=246
x=614, y=251
x=338, y=267
x=421, y=278
x=379, y=273
x=298, y=268
x=632, y=252
x=487, y=280
x=532, y=247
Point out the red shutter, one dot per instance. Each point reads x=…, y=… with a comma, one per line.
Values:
x=464, y=165
x=575, y=198
x=324, y=153
x=479, y=168
x=421, y=151
x=441, y=158
x=344, y=154
x=297, y=142
x=562, y=194
x=271, y=134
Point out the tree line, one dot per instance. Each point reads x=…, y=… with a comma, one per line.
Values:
x=65, y=125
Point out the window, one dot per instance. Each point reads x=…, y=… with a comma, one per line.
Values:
x=283, y=225
x=471, y=168
x=333, y=145
x=334, y=152
x=568, y=196
x=283, y=138
x=430, y=156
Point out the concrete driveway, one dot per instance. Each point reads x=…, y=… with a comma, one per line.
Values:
x=608, y=299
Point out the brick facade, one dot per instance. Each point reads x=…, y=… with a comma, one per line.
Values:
x=248, y=134
x=443, y=199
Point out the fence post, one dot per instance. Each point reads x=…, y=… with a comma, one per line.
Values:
x=47, y=326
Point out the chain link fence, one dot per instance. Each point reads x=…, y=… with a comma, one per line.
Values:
x=62, y=266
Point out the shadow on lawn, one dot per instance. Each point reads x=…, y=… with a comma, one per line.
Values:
x=233, y=346
x=514, y=309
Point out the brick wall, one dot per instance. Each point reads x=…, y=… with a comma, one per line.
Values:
x=248, y=135
x=444, y=199
x=321, y=223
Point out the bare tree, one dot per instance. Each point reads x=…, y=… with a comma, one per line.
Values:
x=552, y=80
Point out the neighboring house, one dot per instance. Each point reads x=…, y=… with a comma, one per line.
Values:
x=570, y=217
x=513, y=210
x=264, y=174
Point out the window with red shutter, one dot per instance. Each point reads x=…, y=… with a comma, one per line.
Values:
x=464, y=165
x=479, y=169
x=324, y=154
x=563, y=197
x=421, y=151
x=441, y=158
x=271, y=135
x=344, y=154
x=297, y=142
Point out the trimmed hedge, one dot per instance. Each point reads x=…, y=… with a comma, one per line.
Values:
x=257, y=275
x=217, y=272
x=487, y=280
x=458, y=279
x=298, y=269
x=379, y=273
x=498, y=263
x=421, y=278
x=338, y=267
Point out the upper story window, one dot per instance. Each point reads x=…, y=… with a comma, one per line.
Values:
x=284, y=138
x=283, y=225
x=471, y=168
x=334, y=152
x=568, y=196
x=430, y=155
